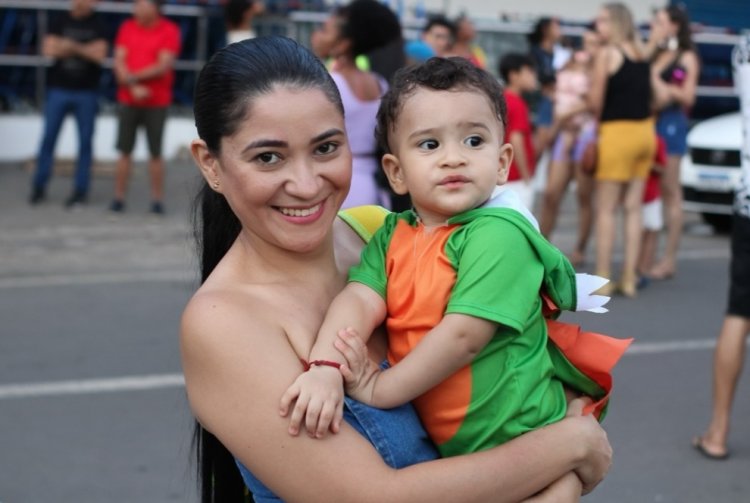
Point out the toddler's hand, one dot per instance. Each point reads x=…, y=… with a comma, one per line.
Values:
x=319, y=393
x=360, y=372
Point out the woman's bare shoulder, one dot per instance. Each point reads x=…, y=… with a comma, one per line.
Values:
x=216, y=307
x=224, y=318
x=614, y=57
x=690, y=59
x=233, y=356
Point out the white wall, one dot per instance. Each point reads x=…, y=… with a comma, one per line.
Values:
x=20, y=136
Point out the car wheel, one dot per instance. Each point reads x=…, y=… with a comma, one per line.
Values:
x=722, y=224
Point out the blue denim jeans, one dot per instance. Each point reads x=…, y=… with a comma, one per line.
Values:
x=672, y=125
x=396, y=434
x=84, y=106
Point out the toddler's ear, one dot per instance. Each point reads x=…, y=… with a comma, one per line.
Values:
x=395, y=174
x=503, y=165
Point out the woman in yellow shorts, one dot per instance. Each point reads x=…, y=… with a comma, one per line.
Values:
x=620, y=96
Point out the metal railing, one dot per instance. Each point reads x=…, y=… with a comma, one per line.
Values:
x=42, y=8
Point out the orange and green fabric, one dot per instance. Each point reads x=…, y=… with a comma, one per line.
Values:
x=493, y=264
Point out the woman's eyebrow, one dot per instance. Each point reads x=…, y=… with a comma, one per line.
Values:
x=326, y=134
x=264, y=143
x=267, y=142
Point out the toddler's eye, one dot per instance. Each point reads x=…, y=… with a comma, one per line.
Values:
x=428, y=144
x=474, y=141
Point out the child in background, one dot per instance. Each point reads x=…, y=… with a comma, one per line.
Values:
x=570, y=108
x=517, y=71
x=653, y=218
x=457, y=281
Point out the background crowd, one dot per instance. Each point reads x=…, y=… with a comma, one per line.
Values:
x=586, y=109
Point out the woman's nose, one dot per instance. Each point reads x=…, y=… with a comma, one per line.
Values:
x=304, y=181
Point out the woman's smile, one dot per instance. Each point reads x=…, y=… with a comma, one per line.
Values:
x=299, y=214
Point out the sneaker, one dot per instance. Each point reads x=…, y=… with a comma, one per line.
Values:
x=157, y=208
x=76, y=199
x=37, y=196
x=117, y=206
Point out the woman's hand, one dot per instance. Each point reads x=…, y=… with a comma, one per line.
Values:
x=360, y=372
x=597, y=455
x=319, y=393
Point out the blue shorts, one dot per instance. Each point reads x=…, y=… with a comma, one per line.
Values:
x=672, y=125
x=397, y=435
x=544, y=112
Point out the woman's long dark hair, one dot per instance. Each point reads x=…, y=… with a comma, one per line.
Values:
x=679, y=16
x=541, y=27
x=369, y=25
x=224, y=93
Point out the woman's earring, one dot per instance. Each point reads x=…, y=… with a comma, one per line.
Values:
x=215, y=184
x=673, y=44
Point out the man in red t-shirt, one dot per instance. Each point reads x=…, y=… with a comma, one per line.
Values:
x=146, y=47
x=517, y=70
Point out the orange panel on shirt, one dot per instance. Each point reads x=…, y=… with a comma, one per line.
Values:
x=420, y=281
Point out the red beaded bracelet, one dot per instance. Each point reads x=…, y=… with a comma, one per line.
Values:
x=325, y=363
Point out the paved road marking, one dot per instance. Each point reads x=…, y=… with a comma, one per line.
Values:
x=96, y=278
x=86, y=386
x=670, y=346
x=161, y=381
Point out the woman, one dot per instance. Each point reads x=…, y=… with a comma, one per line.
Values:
x=277, y=165
x=621, y=99
x=674, y=78
x=350, y=32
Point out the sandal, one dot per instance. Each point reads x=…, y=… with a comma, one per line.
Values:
x=698, y=446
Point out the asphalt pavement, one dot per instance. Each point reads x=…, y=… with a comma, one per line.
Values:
x=92, y=408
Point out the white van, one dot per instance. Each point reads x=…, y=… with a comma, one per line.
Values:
x=710, y=171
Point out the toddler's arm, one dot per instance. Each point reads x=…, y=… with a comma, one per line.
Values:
x=448, y=347
x=319, y=392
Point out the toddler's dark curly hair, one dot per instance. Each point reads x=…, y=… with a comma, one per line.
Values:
x=439, y=74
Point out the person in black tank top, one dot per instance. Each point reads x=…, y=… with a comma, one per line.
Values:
x=628, y=94
x=620, y=97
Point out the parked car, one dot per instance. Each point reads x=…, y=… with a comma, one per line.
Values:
x=710, y=171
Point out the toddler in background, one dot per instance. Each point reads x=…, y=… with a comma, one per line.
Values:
x=573, y=84
x=653, y=218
